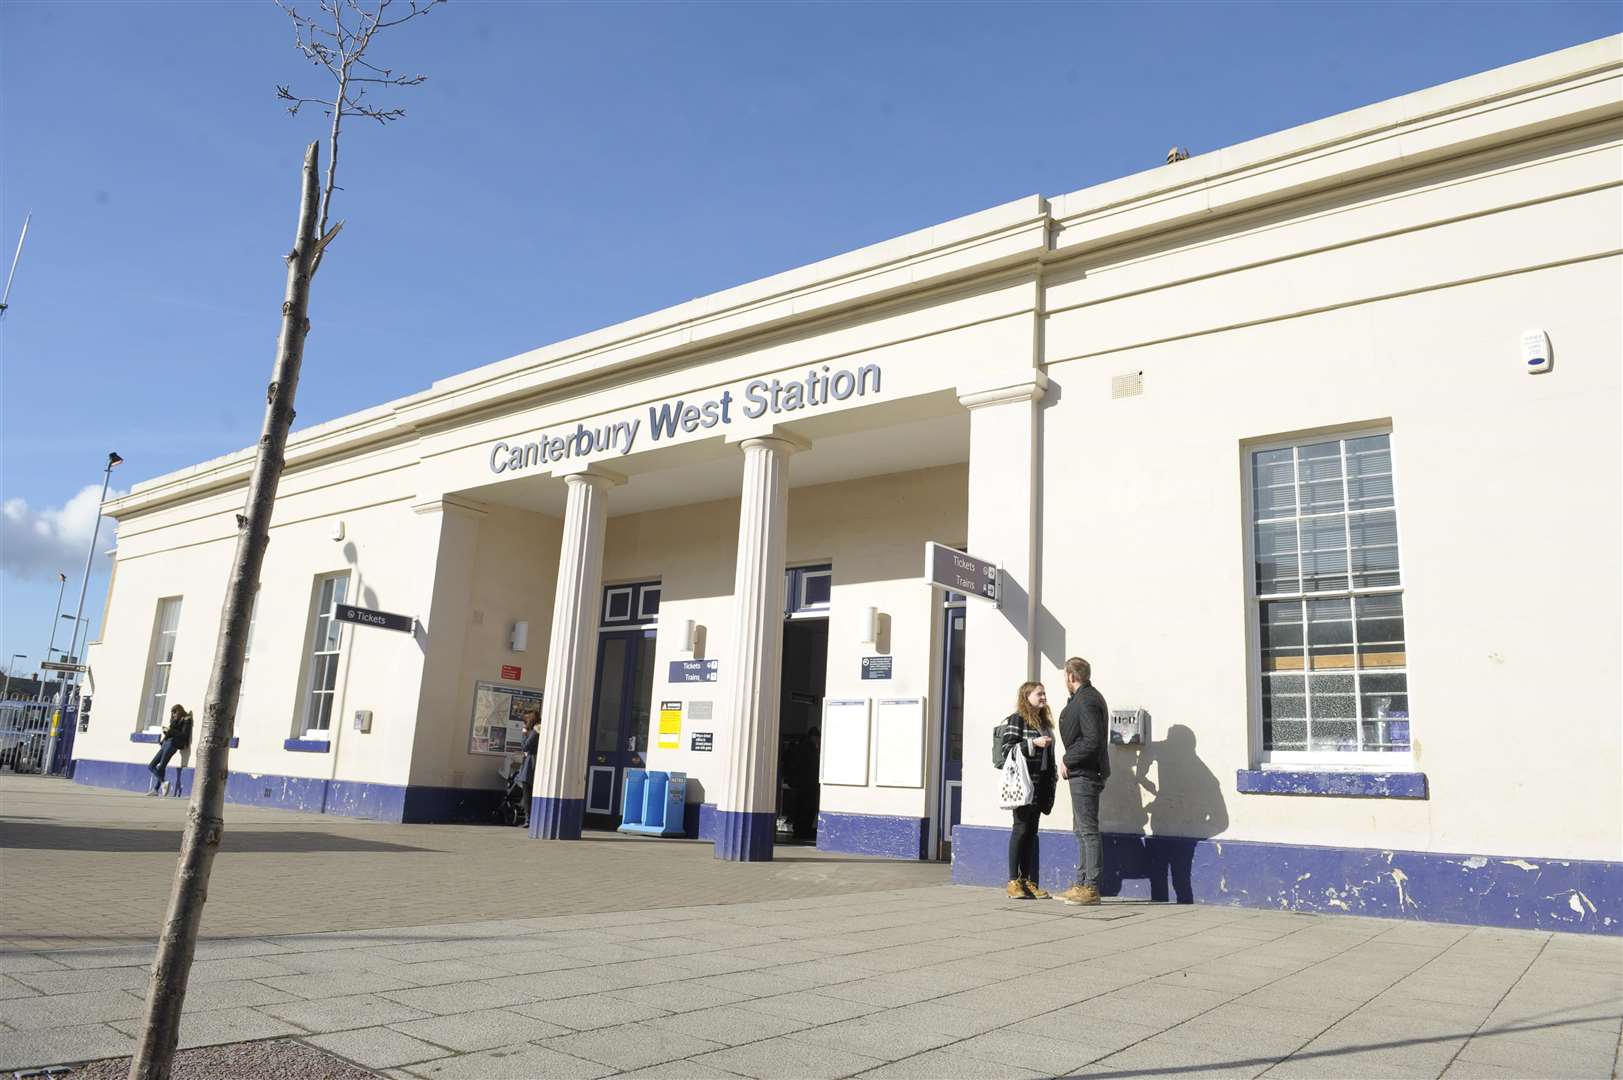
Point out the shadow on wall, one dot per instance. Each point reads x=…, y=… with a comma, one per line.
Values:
x=1153, y=824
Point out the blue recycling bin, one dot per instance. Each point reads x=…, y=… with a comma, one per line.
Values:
x=653, y=802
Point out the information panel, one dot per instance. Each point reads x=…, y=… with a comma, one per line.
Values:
x=498, y=717
x=899, y=742
x=845, y=741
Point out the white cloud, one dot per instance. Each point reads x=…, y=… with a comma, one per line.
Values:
x=40, y=543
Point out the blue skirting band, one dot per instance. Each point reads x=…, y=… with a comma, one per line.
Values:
x=556, y=819
x=1529, y=893
x=742, y=836
x=1346, y=783
x=873, y=834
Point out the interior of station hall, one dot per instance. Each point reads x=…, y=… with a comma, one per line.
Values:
x=1255, y=432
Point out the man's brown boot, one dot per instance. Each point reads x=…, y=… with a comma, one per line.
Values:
x=1080, y=896
x=1017, y=890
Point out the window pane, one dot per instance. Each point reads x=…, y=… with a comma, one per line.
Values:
x=1324, y=554
x=1273, y=484
x=642, y=691
x=1374, y=549
x=1386, y=711
x=1380, y=632
x=169, y=619
x=1284, y=709
x=610, y=696
x=1369, y=472
x=1281, y=629
x=1333, y=711
x=1277, y=568
x=1330, y=634
x=1320, y=469
x=323, y=711
x=817, y=589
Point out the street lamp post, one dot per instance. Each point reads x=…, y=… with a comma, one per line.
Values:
x=90, y=554
x=5, y=695
x=62, y=579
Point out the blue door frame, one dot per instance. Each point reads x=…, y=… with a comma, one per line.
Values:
x=949, y=799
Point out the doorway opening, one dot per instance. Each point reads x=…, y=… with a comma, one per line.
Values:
x=622, y=698
x=803, y=684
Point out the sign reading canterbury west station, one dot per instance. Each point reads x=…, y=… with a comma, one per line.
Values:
x=669, y=419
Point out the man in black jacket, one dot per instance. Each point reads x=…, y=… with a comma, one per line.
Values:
x=1084, y=727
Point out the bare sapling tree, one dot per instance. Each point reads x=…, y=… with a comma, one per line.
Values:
x=336, y=40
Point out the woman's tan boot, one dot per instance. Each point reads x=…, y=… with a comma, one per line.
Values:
x=1036, y=891
x=1017, y=890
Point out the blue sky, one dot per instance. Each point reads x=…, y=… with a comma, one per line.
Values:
x=566, y=166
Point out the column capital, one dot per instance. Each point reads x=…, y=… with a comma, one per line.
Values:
x=595, y=475
x=781, y=439
x=1032, y=389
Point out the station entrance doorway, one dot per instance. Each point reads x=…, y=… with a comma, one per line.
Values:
x=800, y=703
x=622, y=698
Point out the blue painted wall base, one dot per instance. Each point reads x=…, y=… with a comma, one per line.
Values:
x=873, y=834
x=745, y=837
x=707, y=821
x=556, y=819
x=417, y=804
x=1530, y=894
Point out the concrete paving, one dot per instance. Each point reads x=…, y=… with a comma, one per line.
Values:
x=625, y=958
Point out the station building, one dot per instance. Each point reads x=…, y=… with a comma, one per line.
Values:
x=1265, y=434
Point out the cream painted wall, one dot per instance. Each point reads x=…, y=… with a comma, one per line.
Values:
x=508, y=561
x=873, y=532
x=1506, y=499
x=380, y=669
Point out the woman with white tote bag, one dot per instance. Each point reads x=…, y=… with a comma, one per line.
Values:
x=1030, y=777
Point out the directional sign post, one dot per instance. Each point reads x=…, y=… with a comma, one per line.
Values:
x=385, y=620
x=55, y=665
x=958, y=571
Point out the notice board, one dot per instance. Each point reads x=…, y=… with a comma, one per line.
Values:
x=498, y=717
x=845, y=741
x=899, y=742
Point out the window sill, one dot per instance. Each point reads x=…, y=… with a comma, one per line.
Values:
x=1336, y=782
x=154, y=737
x=307, y=746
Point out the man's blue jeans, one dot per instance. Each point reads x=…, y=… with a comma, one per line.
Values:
x=1085, y=821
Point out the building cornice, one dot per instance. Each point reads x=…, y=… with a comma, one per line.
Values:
x=1505, y=106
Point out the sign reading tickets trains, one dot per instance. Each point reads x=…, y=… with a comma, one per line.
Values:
x=669, y=420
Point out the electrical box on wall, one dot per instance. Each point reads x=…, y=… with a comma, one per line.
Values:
x=1129, y=727
x=363, y=720
x=521, y=636
x=1536, y=351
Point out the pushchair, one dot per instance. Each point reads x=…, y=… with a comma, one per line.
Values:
x=512, y=809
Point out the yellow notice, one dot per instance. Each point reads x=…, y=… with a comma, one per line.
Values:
x=670, y=725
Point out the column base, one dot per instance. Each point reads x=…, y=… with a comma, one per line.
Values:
x=556, y=819
x=742, y=836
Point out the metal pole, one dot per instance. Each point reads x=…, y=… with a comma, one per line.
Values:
x=90, y=554
x=50, y=650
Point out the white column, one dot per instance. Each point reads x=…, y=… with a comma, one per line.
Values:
x=746, y=814
x=1001, y=645
x=560, y=768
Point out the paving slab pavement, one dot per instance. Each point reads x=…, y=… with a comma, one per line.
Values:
x=767, y=971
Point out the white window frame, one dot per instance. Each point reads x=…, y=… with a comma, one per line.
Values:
x=1338, y=760
x=307, y=697
x=150, y=723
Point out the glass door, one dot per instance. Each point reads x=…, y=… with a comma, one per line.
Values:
x=620, y=714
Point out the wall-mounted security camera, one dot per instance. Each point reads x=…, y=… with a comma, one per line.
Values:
x=520, y=639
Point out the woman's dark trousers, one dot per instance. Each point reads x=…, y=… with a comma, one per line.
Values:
x=1023, y=843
